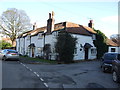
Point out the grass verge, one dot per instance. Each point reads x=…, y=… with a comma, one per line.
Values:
x=40, y=60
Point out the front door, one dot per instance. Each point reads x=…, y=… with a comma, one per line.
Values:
x=33, y=51
x=86, y=53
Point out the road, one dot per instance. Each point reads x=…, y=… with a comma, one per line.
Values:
x=77, y=75
x=15, y=75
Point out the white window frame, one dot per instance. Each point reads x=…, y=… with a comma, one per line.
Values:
x=40, y=36
x=28, y=37
x=93, y=51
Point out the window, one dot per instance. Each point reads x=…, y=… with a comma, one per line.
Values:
x=40, y=36
x=53, y=50
x=28, y=50
x=39, y=50
x=28, y=37
x=93, y=51
x=112, y=49
x=21, y=49
x=55, y=33
x=93, y=37
x=75, y=51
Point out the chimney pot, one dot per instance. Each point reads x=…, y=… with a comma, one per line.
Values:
x=90, y=24
x=49, y=15
x=50, y=23
x=34, y=26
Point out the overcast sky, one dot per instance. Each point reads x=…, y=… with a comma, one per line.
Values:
x=103, y=13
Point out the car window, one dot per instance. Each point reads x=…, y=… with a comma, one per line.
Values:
x=12, y=51
x=118, y=57
x=110, y=56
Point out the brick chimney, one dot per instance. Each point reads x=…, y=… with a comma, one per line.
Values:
x=34, y=26
x=50, y=23
x=90, y=24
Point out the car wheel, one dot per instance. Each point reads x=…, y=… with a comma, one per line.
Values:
x=4, y=58
x=115, y=77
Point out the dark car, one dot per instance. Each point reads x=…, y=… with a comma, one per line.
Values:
x=116, y=69
x=107, y=60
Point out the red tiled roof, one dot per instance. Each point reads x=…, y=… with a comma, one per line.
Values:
x=79, y=29
x=111, y=43
x=69, y=27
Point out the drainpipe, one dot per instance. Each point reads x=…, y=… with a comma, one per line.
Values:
x=19, y=46
x=44, y=41
x=30, y=47
x=24, y=46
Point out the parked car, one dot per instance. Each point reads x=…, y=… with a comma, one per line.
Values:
x=106, y=61
x=9, y=54
x=116, y=69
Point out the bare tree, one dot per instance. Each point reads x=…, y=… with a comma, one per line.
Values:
x=13, y=22
x=115, y=38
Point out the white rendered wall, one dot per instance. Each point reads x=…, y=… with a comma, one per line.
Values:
x=82, y=39
x=51, y=39
x=117, y=49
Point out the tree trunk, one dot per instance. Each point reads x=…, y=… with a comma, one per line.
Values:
x=12, y=42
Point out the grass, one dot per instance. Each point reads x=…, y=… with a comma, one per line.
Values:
x=40, y=60
x=51, y=61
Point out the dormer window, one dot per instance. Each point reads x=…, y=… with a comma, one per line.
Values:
x=28, y=37
x=93, y=37
x=55, y=33
x=40, y=36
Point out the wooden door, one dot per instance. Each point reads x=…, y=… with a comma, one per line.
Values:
x=86, y=53
x=33, y=51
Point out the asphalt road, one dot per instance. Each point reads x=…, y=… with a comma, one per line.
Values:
x=15, y=75
x=78, y=75
x=0, y=74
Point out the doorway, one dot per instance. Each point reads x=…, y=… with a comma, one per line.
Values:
x=33, y=52
x=86, y=53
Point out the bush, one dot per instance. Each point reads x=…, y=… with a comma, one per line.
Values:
x=65, y=46
x=100, y=44
x=5, y=45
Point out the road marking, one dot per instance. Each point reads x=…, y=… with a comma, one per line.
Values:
x=41, y=79
x=23, y=64
x=46, y=84
x=27, y=67
x=30, y=69
x=35, y=74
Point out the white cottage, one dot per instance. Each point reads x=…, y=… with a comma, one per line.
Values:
x=112, y=47
x=31, y=43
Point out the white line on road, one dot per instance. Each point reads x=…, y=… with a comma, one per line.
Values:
x=46, y=84
x=37, y=75
x=27, y=67
x=23, y=64
x=34, y=73
x=30, y=70
x=41, y=79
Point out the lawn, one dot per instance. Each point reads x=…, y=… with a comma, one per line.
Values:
x=40, y=60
